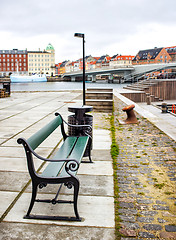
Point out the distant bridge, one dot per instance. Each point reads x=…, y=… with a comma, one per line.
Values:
x=127, y=72
x=140, y=70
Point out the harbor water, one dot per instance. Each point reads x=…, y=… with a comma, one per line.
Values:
x=56, y=86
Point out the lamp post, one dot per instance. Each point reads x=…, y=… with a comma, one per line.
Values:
x=81, y=35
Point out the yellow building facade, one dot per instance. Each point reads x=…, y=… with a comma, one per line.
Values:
x=42, y=61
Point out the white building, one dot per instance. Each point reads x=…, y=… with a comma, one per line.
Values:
x=42, y=61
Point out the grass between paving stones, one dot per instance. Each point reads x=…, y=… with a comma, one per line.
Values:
x=114, y=154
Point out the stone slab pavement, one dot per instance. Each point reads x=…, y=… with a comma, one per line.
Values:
x=23, y=114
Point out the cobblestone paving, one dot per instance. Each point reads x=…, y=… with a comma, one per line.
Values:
x=146, y=176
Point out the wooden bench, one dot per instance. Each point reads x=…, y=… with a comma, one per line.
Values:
x=62, y=168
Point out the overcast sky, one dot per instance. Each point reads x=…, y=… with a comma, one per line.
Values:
x=110, y=26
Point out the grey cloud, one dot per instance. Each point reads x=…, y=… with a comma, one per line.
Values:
x=104, y=22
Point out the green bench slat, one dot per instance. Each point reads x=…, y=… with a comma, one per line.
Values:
x=77, y=153
x=36, y=139
x=53, y=168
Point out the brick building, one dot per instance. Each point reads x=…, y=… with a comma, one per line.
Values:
x=172, y=52
x=149, y=56
x=27, y=62
x=13, y=61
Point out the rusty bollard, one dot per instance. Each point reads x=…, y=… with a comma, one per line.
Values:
x=131, y=117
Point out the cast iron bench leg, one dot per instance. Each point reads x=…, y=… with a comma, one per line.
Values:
x=34, y=193
x=76, y=190
x=90, y=144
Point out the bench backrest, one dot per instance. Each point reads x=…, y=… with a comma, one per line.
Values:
x=36, y=139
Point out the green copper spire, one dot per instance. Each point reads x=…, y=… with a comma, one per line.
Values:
x=49, y=47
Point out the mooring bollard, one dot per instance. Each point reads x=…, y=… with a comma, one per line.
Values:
x=131, y=117
x=148, y=100
x=164, y=108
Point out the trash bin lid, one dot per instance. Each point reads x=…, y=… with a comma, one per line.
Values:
x=82, y=109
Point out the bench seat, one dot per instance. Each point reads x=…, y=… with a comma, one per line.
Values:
x=72, y=148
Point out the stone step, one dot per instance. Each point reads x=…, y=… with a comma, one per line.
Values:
x=100, y=89
x=99, y=102
x=133, y=88
x=99, y=95
x=100, y=105
x=100, y=98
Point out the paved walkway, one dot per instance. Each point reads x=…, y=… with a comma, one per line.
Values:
x=20, y=116
x=146, y=172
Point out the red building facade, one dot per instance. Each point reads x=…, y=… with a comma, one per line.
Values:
x=13, y=61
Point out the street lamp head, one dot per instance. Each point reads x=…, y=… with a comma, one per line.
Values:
x=79, y=35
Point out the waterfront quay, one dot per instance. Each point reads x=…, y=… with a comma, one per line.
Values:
x=145, y=172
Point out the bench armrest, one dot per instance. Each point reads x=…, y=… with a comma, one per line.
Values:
x=71, y=164
x=87, y=130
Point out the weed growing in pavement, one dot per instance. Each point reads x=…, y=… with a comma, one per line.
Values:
x=159, y=185
x=141, y=193
x=114, y=155
x=168, y=193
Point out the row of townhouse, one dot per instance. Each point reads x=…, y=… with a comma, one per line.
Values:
x=148, y=56
x=27, y=62
x=93, y=63
x=31, y=62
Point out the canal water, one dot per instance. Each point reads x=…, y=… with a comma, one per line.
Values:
x=56, y=86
